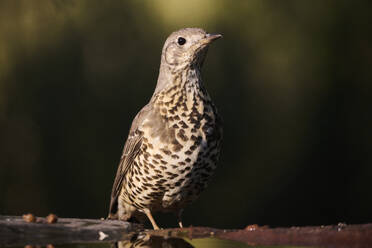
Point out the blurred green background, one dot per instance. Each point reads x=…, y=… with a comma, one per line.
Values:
x=292, y=80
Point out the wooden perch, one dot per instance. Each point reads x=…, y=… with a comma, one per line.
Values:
x=338, y=236
x=18, y=231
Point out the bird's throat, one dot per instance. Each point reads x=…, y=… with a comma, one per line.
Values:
x=184, y=90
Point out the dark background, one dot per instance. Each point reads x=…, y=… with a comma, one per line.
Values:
x=292, y=80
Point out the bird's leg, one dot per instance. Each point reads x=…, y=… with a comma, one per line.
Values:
x=179, y=216
x=148, y=214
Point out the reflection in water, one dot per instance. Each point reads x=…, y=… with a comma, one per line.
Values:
x=147, y=241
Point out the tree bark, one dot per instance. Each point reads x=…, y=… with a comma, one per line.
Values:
x=337, y=236
x=40, y=231
x=15, y=230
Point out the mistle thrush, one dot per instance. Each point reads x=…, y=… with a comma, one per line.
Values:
x=174, y=141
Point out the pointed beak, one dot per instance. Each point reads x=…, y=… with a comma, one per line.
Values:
x=213, y=37
x=210, y=37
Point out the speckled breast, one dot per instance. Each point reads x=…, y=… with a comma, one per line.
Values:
x=179, y=151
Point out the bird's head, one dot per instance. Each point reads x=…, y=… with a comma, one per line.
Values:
x=186, y=47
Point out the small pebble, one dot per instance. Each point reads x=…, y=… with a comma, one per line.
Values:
x=51, y=218
x=29, y=217
x=251, y=227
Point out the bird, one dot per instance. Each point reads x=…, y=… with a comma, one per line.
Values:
x=174, y=142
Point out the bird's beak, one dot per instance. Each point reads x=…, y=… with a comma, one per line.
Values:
x=210, y=37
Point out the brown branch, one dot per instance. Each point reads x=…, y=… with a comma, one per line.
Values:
x=30, y=230
x=15, y=230
x=342, y=235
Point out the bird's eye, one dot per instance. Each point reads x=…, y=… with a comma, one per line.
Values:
x=181, y=41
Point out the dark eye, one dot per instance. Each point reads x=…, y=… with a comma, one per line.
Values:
x=181, y=41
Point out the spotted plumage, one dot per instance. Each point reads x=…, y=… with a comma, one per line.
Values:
x=174, y=141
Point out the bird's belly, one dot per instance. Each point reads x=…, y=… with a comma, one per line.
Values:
x=163, y=179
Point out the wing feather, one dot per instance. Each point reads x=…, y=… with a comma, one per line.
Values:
x=131, y=149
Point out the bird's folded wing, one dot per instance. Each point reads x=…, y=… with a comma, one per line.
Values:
x=131, y=149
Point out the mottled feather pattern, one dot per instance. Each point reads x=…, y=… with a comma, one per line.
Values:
x=174, y=142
